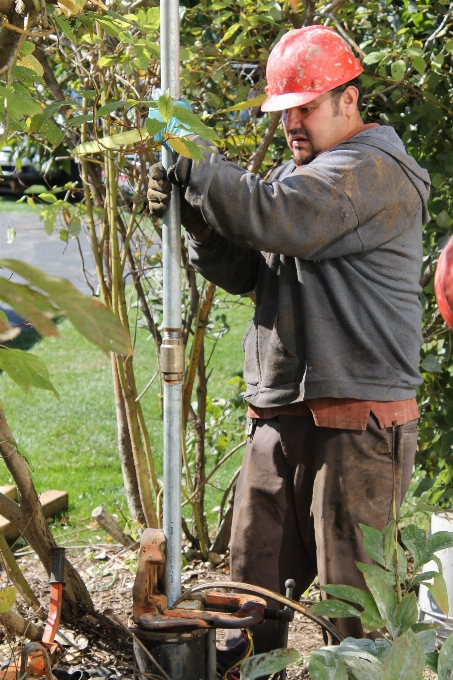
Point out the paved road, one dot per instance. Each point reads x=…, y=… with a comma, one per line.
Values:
x=49, y=253
x=34, y=246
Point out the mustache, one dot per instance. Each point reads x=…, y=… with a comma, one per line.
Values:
x=298, y=132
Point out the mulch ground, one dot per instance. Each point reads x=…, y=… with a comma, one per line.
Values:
x=97, y=644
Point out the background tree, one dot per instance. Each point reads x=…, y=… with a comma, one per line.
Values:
x=86, y=74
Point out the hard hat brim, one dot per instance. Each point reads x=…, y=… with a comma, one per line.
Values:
x=280, y=102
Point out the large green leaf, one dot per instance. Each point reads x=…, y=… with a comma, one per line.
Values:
x=267, y=664
x=30, y=304
x=192, y=121
x=373, y=543
x=371, y=618
x=349, y=593
x=427, y=640
x=406, y=614
x=91, y=318
x=438, y=589
x=7, y=599
x=364, y=670
x=384, y=596
x=445, y=664
x=165, y=104
x=27, y=370
x=414, y=539
x=324, y=665
x=334, y=609
x=406, y=660
x=438, y=541
x=386, y=576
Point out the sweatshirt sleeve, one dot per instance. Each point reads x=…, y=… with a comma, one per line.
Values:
x=297, y=216
x=229, y=265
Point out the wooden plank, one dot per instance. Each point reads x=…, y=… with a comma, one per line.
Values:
x=52, y=503
x=9, y=491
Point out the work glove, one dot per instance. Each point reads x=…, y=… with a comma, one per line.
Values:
x=159, y=190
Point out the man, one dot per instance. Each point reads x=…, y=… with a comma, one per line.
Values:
x=332, y=244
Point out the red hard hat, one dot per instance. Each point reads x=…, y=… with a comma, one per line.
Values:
x=304, y=64
x=443, y=283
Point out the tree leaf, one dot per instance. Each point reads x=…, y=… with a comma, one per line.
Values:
x=10, y=235
x=371, y=618
x=166, y=106
x=268, y=663
x=441, y=540
x=432, y=661
x=384, y=596
x=374, y=57
x=424, y=576
x=427, y=640
x=324, y=665
x=248, y=104
x=373, y=543
x=406, y=614
x=364, y=670
x=195, y=125
x=414, y=539
x=419, y=64
x=7, y=599
x=386, y=576
x=193, y=149
x=27, y=370
x=154, y=126
x=445, y=664
x=349, y=593
x=398, y=69
x=406, y=659
x=178, y=145
x=438, y=590
x=334, y=609
x=91, y=318
x=31, y=305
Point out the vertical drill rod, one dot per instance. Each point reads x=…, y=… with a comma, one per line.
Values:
x=171, y=252
x=289, y=585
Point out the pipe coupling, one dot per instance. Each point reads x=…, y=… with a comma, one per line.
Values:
x=172, y=359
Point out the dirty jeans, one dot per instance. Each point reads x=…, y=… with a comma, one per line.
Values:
x=301, y=494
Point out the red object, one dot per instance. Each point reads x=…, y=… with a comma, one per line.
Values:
x=443, y=284
x=53, y=619
x=304, y=64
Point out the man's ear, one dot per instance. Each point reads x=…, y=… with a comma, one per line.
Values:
x=350, y=98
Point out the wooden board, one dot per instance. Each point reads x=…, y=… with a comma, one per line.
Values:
x=52, y=503
x=9, y=491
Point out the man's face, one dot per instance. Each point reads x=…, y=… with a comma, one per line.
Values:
x=314, y=127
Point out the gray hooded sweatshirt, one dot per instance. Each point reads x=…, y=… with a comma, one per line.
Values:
x=334, y=252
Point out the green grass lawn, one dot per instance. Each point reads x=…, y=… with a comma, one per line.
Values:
x=9, y=204
x=71, y=444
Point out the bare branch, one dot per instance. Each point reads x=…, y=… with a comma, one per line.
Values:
x=266, y=141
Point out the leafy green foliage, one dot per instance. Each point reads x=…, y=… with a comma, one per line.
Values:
x=266, y=664
x=97, y=323
x=27, y=370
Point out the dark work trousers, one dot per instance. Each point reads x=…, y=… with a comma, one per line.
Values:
x=301, y=494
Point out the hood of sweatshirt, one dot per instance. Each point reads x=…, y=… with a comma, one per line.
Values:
x=385, y=138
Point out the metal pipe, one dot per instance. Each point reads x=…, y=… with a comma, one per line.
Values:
x=290, y=584
x=172, y=358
